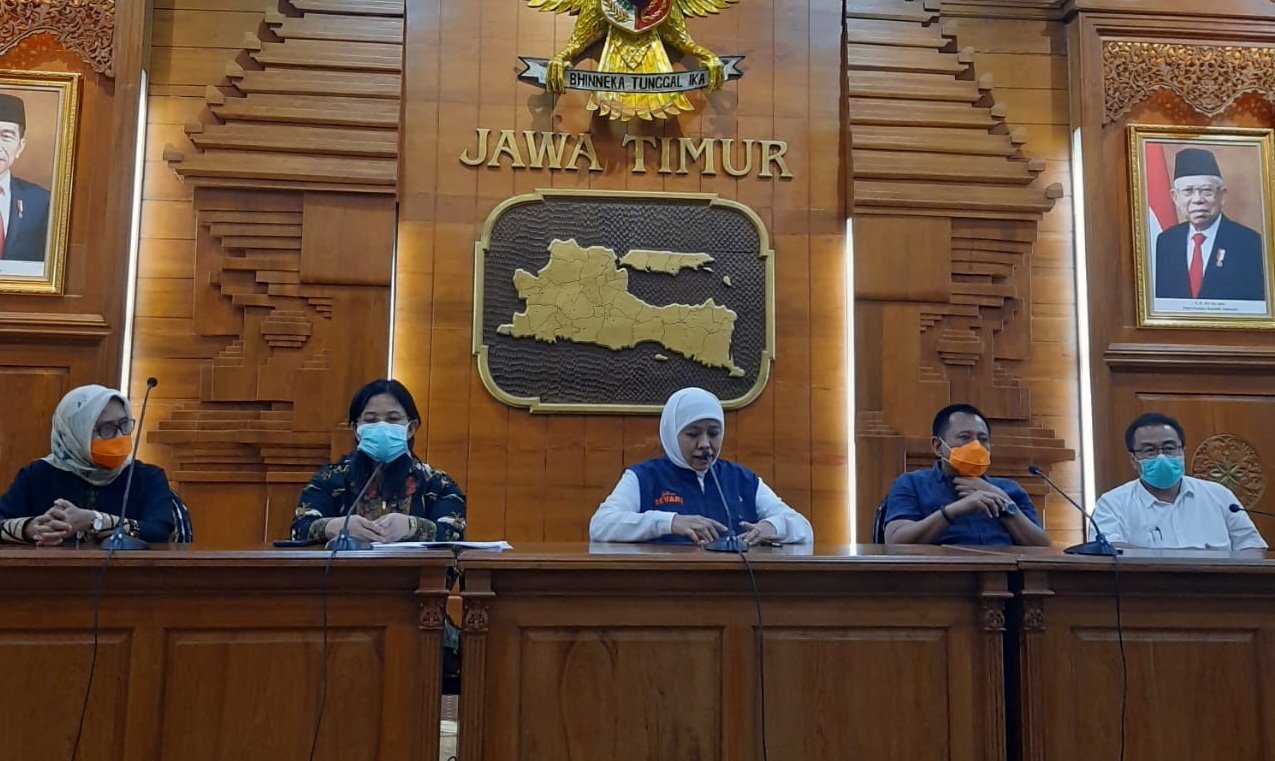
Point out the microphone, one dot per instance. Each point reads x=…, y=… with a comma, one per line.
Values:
x=343, y=541
x=1238, y=509
x=1099, y=544
x=118, y=540
x=727, y=542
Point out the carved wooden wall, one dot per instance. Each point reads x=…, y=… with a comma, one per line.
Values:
x=249, y=291
x=963, y=267
x=268, y=239
x=51, y=343
x=533, y=477
x=1137, y=69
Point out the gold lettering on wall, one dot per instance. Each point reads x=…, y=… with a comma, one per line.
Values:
x=529, y=149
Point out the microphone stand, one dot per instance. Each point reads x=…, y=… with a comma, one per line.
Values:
x=727, y=542
x=118, y=540
x=1096, y=546
x=343, y=542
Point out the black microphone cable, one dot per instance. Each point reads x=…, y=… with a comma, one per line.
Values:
x=759, y=642
x=98, y=587
x=327, y=568
x=1100, y=547
x=1124, y=664
x=116, y=541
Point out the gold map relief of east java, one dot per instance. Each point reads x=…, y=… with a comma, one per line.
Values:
x=582, y=295
x=611, y=301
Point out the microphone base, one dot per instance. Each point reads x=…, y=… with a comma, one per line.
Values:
x=728, y=543
x=122, y=542
x=1096, y=547
x=345, y=543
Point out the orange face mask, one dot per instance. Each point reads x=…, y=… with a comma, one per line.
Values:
x=111, y=453
x=970, y=459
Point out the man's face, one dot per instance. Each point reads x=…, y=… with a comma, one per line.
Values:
x=11, y=145
x=1199, y=199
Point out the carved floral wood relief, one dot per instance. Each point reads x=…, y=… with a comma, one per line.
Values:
x=1209, y=78
x=85, y=27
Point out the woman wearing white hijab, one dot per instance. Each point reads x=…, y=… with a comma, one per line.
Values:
x=77, y=491
x=675, y=498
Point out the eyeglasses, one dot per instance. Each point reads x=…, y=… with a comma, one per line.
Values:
x=1207, y=192
x=1168, y=450
x=113, y=429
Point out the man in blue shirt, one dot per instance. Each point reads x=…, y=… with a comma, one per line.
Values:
x=954, y=502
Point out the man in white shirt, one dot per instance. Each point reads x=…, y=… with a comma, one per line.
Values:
x=1163, y=508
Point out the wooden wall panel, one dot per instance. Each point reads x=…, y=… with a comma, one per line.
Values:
x=267, y=241
x=1215, y=381
x=52, y=343
x=964, y=277
x=532, y=477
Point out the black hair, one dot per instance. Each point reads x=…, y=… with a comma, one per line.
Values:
x=385, y=386
x=1152, y=419
x=943, y=420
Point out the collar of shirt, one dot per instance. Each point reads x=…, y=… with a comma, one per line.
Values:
x=1145, y=498
x=1206, y=248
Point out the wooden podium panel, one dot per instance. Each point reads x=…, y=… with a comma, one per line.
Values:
x=640, y=651
x=1199, y=644
x=207, y=656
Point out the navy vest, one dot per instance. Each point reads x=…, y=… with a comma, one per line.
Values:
x=668, y=488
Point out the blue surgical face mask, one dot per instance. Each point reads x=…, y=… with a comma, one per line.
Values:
x=1162, y=471
x=383, y=442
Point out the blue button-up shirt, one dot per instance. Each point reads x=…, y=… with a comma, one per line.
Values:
x=915, y=495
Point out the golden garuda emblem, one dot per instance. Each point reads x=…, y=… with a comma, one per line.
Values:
x=634, y=75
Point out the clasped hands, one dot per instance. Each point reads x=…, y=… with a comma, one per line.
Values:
x=60, y=521
x=703, y=530
x=391, y=527
x=977, y=496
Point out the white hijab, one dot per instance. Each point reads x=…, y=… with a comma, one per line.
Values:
x=72, y=438
x=683, y=408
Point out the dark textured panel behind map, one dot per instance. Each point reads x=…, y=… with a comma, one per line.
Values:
x=582, y=374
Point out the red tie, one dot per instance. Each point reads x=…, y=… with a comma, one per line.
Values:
x=1197, y=265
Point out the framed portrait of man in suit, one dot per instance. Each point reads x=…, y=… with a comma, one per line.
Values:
x=1202, y=226
x=38, y=125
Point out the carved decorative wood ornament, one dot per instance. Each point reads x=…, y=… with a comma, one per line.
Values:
x=1232, y=462
x=634, y=76
x=1208, y=78
x=84, y=27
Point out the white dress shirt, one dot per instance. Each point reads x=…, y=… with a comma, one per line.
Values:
x=1199, y=518
x=6, y=202
x=1206, y=246
x=619, y=518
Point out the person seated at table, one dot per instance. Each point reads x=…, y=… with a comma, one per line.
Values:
x=1162, y=507
x=76, y=492
x=954, y=502
x=677, y=498
x=406, y=499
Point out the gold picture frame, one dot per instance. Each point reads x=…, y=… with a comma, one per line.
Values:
x=1203, y=218
x=39, y=114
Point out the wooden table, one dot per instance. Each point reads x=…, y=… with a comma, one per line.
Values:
x=648, y=652
x=1199, y=644
x=218, y=654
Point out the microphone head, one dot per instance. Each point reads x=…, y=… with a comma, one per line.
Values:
x=151, y=382
x=1035, y=471
x=1235, y=508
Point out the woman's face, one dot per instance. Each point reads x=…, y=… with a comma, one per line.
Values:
x=700, y=442
x=384, y=408
x=113, y=422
